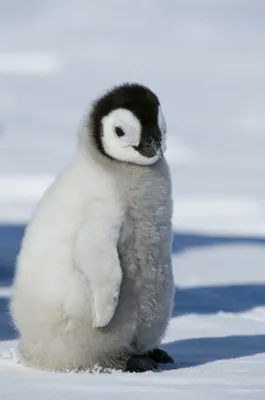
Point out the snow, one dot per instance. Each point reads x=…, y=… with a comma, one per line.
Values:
x=205, y=60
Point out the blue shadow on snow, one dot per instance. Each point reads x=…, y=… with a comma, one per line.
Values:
x=193, y=352
x=214, y=299
x=184, y=241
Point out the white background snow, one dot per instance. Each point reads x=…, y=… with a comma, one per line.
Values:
x=206, y=61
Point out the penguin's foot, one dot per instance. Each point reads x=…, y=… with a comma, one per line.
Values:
x=141, y=363
x=160, y=356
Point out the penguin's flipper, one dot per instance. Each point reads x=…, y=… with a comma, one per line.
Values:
x=96, y=257
x=160, y=356
x=105, y=300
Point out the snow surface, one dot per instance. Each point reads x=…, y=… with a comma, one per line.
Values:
x=206, y=60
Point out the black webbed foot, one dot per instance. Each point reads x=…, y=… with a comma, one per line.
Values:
x=141, y=363
x=160, y=356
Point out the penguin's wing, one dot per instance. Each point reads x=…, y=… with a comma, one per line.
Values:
x=95, y=254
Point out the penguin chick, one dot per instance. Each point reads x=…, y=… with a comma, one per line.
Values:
x=93, y=285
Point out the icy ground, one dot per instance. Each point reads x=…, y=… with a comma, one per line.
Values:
x=206, y=60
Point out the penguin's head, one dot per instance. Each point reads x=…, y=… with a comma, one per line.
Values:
x=128, y=125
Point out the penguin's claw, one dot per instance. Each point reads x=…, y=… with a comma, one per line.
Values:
x=141, y=363
x=160, y=356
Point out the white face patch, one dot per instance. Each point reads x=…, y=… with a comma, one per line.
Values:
x=119, y=143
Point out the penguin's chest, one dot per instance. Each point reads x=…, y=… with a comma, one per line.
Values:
x=140, y=251
x=144, y=247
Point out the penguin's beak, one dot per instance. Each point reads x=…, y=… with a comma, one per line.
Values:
x=146, y=149
x=150, y=145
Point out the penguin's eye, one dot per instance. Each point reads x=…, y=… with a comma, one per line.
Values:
x=119, y=132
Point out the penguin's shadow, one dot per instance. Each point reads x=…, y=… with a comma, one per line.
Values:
x=203, y=300
x=193, y=352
